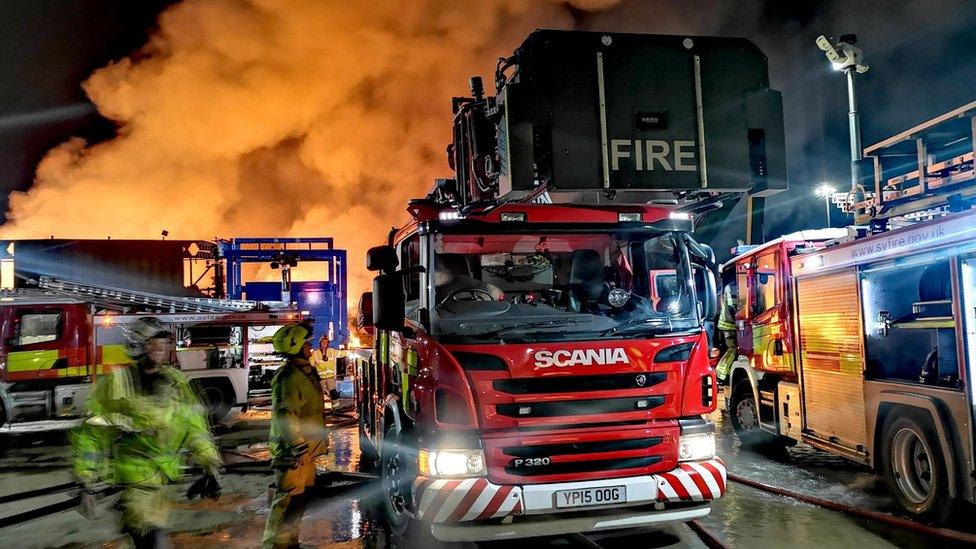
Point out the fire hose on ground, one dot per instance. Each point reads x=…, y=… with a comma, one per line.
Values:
x=260, y=466
x=883, y=518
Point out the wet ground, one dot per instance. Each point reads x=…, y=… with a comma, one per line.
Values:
x=345, y=514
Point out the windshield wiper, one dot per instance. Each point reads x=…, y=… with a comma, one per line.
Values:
x=635, y=323
x=542, y=324
x=531, y=325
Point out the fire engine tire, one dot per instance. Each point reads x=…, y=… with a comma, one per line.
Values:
x=216, y=396
x=744, y=414
x=395, y=479
x=914, y=467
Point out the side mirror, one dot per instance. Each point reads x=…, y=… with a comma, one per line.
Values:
x=364, y=318
x=389, y=311
x=711, y=304
x=381, y=258
x=706, y=283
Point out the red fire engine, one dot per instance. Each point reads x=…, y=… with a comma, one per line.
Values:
x=865, y=346
x=540, y=361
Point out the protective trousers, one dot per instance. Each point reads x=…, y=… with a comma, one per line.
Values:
x=288, y=504
x=143, y=511
x=728, y=357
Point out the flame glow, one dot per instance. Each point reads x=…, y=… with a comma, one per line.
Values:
x=276, y=117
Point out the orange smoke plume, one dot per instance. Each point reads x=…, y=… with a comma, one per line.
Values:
x=276, y=117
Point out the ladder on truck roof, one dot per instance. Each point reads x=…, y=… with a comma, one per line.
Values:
x=123, y=299
x=921, y=173
x=227, y=318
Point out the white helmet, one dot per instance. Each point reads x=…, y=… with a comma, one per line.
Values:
x=138, y=334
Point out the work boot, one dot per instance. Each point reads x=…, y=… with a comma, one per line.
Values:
x=153, y=539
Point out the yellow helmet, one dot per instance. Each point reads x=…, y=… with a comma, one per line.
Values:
x=289, y=340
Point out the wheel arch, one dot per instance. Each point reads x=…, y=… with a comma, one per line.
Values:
x=222, y=383
x=898, y=403
x=6, y=404
x=393, y=414
x=742, y=371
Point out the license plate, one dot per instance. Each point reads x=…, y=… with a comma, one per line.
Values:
x=584, y=497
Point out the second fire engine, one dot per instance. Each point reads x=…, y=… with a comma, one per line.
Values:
x=863, y=342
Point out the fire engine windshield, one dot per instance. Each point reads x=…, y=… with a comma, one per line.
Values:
x=548, y=287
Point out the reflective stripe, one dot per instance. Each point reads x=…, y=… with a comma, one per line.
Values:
x=412, y=360
x=709, y=478
x=384, y=347
x=26, y=365
x=453, y=500
x=408, y=370
x=404, y=387
x=29, y=361
x=113, y=354
x=694, y=481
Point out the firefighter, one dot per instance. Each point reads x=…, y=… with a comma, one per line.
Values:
x=141, y=418
x=324, y=359
x=726, y=325
x=298, y=434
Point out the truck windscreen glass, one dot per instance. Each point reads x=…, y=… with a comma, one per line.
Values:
x=561, y=286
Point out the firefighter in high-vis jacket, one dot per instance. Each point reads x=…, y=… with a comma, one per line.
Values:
x=325, y=359
x=298, y=434
x=726, y=325
x=141, y=417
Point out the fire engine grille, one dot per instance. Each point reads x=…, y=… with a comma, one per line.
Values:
x=599, y=424
x=574, y=384
x=579, y=407
x=578, y=455
x=548, y=450
x=571, y=467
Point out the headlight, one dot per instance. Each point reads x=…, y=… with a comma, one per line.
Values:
x=451, y=463
x=696, y=447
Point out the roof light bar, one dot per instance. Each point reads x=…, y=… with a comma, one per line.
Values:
x=450, y=215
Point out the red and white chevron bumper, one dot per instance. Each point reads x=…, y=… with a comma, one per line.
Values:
x=693, y=481
x=463, y=500
x=449, y=501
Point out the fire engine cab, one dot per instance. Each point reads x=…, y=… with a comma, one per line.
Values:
x=862, y=341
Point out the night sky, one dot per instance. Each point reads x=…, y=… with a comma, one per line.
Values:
x=922, y=56
x=49, y=48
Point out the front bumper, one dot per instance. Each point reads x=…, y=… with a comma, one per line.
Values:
x=446, y=503
x=556, y=525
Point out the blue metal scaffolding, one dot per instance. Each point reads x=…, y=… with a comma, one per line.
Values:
x=328, y=297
